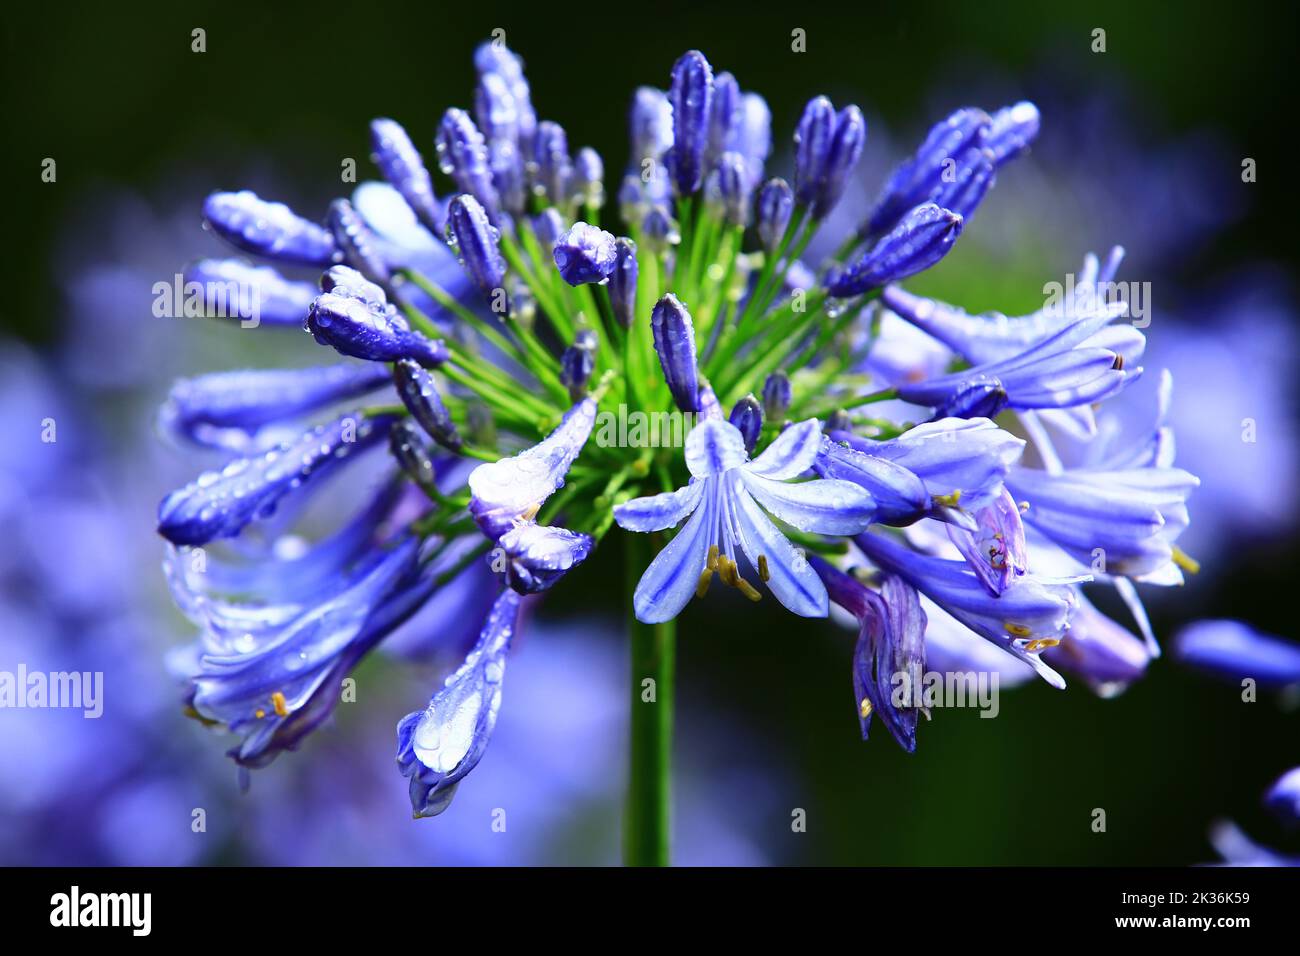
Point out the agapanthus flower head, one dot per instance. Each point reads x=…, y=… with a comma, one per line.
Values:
x=761, y=353
x=585, y=254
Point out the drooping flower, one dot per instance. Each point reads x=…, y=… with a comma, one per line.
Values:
x=438, y=746
x=725, y=502
x=269, y=229
x=922, y=237
x=234, y=289
x=354, y=316
x=1031, y=615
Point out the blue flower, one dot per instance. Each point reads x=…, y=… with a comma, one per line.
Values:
x=1234, y=650
x=269, y=229
x=1106, y=655
x=230, y=409
x=400, y=163
x=889, y=657
x=691, y=96
x=674, y=342
x=938, y=468
x=623, y=282
x=275, y=678
x=585, y=254
x=463, y=155
x=993, y=337
x=218, y=504
x=236, y=290
x=553, y=171
x=477, y=243
x=438, y=746
x=723, y=502
x=419, y=393
x=922, y=237
x=354, y=316
x=1061, y=371
x=1283, y=797
x=775, y=206
x=1031, y=615
x=995, y=547
x=1117, y=522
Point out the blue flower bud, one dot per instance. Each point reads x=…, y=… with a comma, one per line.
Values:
x=923, y=177
x=659, y=229
x=921, y=239
x=812, y=145
x=622, y=282
x=538, y=556
x=776, y=396
x=775, y=205
x=354, y=317
x=419, y=394
x=691, y=95
x=509, y=175
x=549, y=224
x=495, y=108
x=219, y=504
x=236, y=290
x=491, y=57
x=841, y=159
x=269, y=229
x=400, y=163
x=729, y=188
x=631, y=198
x=576, y=366
x=978, y=399
x=477, y=242
x=588, y=178
x=674, y=340
x=586, y=338
x=973, y=178
x=747, y=416
x=463, y=155
x=411, y=452
x=553, y=174
x=228, y=409
x=585, y=254
x=650, y=124
x=359, y=246
x=753, y=136
x=1012, y=130
x=724, y=116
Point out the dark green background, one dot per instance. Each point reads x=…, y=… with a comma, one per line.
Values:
x=115, y=94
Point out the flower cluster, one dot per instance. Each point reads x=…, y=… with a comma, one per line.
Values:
x=489, y=327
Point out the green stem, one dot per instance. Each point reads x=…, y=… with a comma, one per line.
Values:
x=647, y=822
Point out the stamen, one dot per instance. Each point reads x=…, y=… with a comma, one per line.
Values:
x=763, y=574
x=1186, y=561
x=259, y=713
x=1018, y=630
x=712, y=562
x=864, y=709
x=1041, y=644
x=747, y=589
x=952, y=500
x=280, y=704
x=531, y=512
x=1118, y=364
x=702, y=587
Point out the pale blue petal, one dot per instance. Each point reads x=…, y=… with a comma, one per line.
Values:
x=791, y=453
x=790, y=575
x=714, y=446
x=821, y=506
x=670, y=581
x=657, y=512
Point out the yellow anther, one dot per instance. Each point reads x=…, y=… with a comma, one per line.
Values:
x=1023, y=506
x=864, y=709
x=952, y=500
x=763, y=574
x=280, y=704
x=1186, y=561
x=705, y=577
x=712, y=562
x=1041, y=644
x=1018, y=630
x=259, y=713
x=747, y=589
